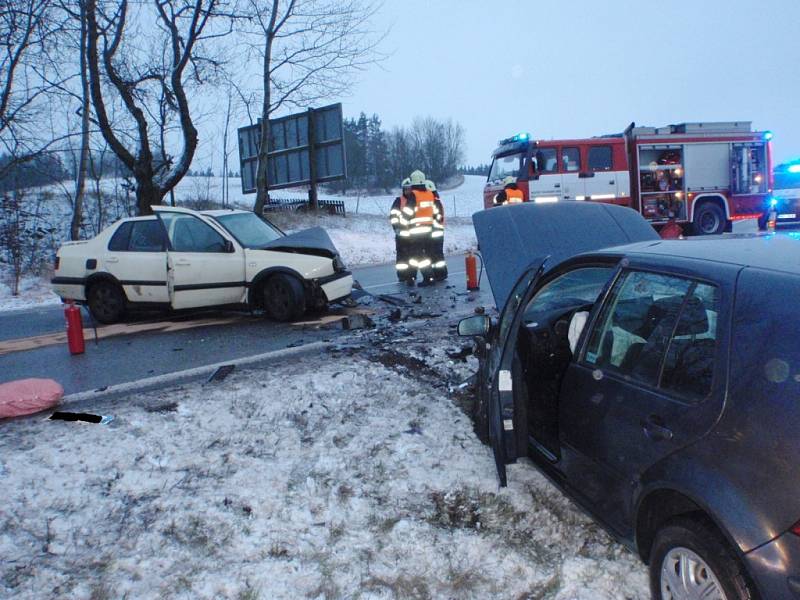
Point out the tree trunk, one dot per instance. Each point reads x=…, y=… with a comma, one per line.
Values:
x=262, y=173
x=83, y=161
x=147, y=194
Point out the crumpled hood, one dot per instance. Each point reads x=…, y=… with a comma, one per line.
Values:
x=314, y=241
x=512, y=237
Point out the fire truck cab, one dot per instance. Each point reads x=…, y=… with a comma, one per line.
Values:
x=699, y=175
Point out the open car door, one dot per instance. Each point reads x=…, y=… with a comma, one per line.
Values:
x=507, y=421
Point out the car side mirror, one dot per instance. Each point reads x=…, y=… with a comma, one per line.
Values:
x=229, y=246
x=477, y=325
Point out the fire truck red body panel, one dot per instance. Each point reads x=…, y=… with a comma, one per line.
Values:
x=669, y=174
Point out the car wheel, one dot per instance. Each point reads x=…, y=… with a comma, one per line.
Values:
x=106, y=302
x=284, y=299
x=690, y=559
x=709, y=219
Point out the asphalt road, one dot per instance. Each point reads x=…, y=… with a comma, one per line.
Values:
x=130, y=357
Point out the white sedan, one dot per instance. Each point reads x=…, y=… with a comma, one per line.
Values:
x=180, y=258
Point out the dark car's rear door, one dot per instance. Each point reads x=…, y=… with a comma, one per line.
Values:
x=650, y=379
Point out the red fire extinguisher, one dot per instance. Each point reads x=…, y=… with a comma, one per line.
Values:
x=74, y=328
x=472, y=272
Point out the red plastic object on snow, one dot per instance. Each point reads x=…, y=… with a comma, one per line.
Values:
x=671, y=231
x=472, y=272
x=28, y=396
x=74, y=329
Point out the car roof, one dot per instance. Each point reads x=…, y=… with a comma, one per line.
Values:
x=223, y=211
x=776, y=252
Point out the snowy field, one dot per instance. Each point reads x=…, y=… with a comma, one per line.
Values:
x=303, y=480
x=363, y=237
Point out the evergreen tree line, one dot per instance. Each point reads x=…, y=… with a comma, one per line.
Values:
x=476, y=170
x=380, y=159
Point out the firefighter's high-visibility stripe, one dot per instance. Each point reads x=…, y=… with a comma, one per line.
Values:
x=413, y=262
x=408, y=210
x=424, y=263
x=401, y=266
x=394, y=220
x=439, y=264
x=437, y=234
x=404, y=234
x=420, y=230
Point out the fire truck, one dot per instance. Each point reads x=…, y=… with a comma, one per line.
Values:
x=700, y=176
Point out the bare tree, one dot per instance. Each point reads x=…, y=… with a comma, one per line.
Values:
x=124, y=69
x=309, y=50
x=26, y=30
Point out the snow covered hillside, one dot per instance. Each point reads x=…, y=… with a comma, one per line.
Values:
x=342, y=475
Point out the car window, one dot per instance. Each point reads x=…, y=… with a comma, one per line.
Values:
x=189, y=234
x=146, y=236
x=575, y=288
x=600, y=158
x=632, y=333
x=689, y=362
x=571, y=159
x=119, y=241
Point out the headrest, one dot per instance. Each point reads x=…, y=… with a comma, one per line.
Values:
x=694, y=319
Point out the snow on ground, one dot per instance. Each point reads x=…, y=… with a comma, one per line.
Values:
x=33, y=291
x=369, y=239
x=329, y=476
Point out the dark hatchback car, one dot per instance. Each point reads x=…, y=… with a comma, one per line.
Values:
x=656, y=382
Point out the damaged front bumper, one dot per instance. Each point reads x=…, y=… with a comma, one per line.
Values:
x=333, y=287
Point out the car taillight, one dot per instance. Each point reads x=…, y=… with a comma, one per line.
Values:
x=57, y=262
x=796, y=528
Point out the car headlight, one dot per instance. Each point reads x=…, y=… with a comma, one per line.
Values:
x=338, y=264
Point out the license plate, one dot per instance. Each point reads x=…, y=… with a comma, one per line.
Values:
x=787, y=216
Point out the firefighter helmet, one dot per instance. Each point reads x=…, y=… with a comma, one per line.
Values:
x=430, y=186
x=509, y=180
x=417, y=178
x=406, y=183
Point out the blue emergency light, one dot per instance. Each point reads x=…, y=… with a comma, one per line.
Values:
x=767, y=135
x=521, y=137
x=794, y=168
x=773, y=202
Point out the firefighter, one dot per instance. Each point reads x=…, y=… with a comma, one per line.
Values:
x=400, y=216
x=436, y=248
x=422, y=201
x=510, y=194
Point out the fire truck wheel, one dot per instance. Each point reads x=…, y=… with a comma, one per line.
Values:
x=709, y=219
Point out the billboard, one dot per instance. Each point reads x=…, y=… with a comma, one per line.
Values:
x=296, y=140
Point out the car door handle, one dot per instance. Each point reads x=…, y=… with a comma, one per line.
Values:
x=182, y=263
x=558, y=185
x=112, y=259
x=655, y=429
x=611, y=182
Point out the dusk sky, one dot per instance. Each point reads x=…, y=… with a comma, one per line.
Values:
x=586, y=67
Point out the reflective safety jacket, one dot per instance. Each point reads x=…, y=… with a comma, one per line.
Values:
x=438, y=217
x=514, y=196
x=509, y=195
x=400, y=216
x=424, y=215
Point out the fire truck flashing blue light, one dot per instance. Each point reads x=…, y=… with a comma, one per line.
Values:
x=773, y=202
x=522, y=136
x=794, y=168
x=768, y=135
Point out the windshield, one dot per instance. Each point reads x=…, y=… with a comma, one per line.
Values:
x=503, y=166
x=250, y=230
